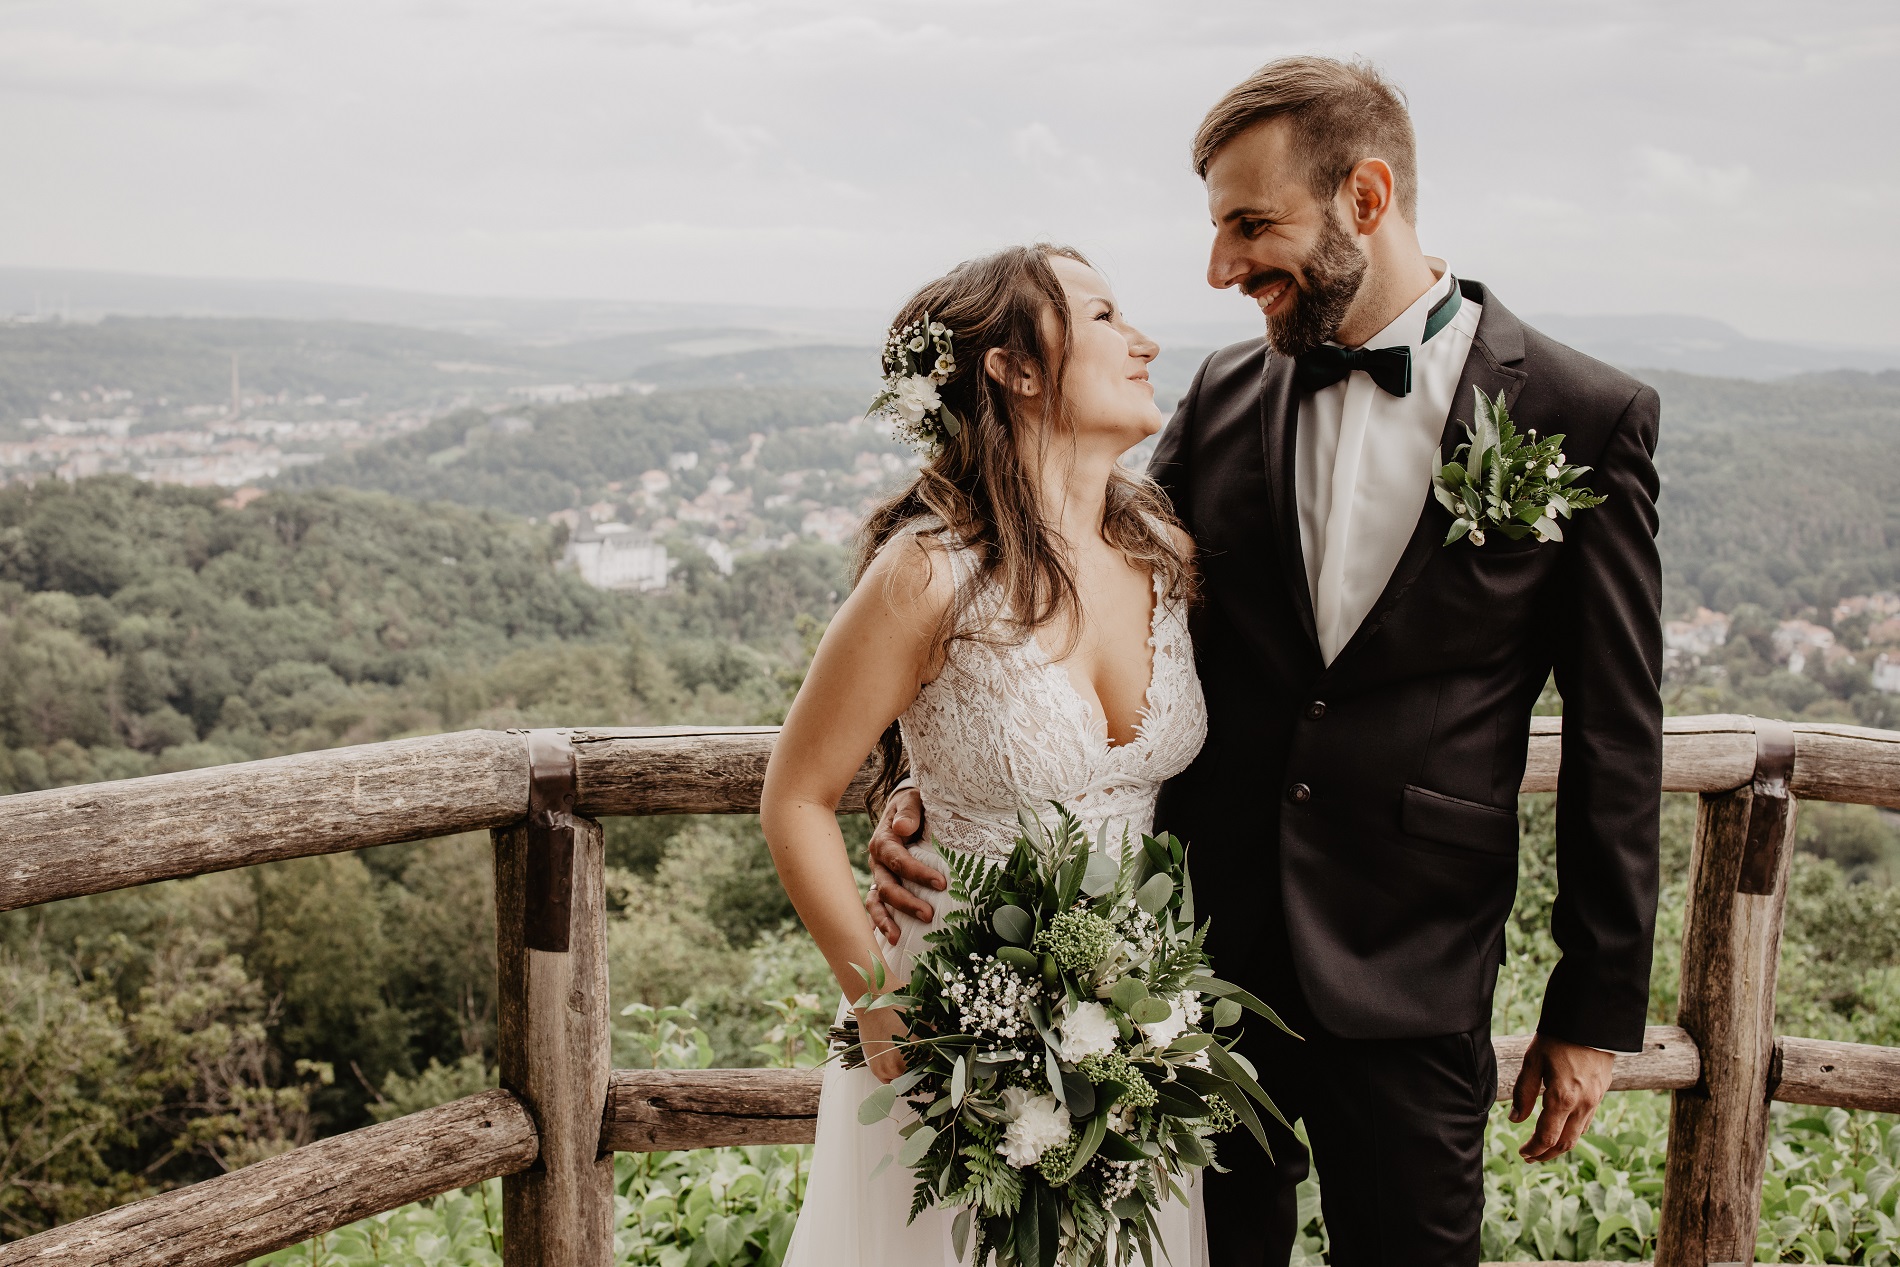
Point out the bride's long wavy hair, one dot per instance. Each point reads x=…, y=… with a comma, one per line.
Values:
x=979, y=486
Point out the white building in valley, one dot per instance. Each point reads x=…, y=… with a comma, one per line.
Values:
x=612, y=556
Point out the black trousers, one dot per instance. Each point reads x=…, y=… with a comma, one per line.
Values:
x=1397, y=1128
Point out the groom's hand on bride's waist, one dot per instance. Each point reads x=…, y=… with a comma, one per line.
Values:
x=1573, y=1079
x=892, y=864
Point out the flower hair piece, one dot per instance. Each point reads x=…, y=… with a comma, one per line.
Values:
x=918, y=359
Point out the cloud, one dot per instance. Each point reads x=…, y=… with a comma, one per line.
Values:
x=1035, y=144
x=1664, y=173
x=68, y=62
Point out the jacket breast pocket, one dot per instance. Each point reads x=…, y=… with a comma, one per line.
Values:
x=1462, y=824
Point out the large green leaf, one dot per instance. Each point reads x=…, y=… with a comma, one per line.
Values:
x=877, y=1105
x=917, y=1146
x=1013, y=924
x=1154, y=895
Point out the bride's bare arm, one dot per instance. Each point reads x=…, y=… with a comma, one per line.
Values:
x=876, y=654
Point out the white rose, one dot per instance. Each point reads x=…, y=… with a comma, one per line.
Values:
x=1039, y=1124
x=914, y=397
x=1086, y=1030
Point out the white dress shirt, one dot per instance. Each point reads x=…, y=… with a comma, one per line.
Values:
x=1363, y=464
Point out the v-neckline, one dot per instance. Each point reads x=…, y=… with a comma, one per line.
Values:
x=1060, y=669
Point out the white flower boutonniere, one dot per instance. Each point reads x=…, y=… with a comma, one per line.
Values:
x=1505, y=482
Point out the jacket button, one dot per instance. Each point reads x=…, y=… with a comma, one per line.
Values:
x=1316, y=710
x=1299, y=794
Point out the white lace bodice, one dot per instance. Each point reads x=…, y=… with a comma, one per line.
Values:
x=1003, y=727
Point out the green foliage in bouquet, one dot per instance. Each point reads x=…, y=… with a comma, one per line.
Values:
x=1505, y=482
x=1064, y=1071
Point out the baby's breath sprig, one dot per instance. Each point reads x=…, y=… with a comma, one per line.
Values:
x=919, y=359
x=1506, y=482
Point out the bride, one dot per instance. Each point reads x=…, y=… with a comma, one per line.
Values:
x=1019, y=614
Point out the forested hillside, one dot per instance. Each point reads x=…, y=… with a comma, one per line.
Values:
x=147, y=627
x=574, y=451
x=1779, y=494
x=162, y=1034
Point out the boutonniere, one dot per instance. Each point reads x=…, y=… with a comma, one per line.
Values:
x=1506, y=482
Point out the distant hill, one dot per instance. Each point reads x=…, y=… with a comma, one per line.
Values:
x=84, y=295
x=1698, y=345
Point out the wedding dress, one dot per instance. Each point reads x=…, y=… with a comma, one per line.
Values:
x=1002, y=727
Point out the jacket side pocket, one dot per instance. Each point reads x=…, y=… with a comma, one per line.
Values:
x=1462, y=824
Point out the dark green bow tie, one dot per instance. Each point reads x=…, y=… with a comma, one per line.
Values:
x=1390, y=368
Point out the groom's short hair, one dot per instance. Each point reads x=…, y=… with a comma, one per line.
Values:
x=1341, y=113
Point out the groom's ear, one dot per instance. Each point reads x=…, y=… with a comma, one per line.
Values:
x=1369, y=192
x=1016, y=373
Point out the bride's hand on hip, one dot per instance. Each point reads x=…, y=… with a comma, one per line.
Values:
x=880, y=1031
x=892, y=864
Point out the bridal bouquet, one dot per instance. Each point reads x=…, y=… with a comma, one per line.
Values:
x=1065, y=1072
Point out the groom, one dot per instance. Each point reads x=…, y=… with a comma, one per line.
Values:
x=1353, y=814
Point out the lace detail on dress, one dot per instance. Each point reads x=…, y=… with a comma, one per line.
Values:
x=1003, y=728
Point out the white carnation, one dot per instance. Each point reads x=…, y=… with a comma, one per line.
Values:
x=1039, y=1125
x=915, y=396
x=1183, y=1010
x=1087, y=1030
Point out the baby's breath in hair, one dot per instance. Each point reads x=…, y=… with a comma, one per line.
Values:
x=918, y=359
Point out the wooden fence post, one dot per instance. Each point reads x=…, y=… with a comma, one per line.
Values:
x=555, y=1041
x=1718, y=1130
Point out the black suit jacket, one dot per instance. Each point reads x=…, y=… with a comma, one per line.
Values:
x=1371, y=804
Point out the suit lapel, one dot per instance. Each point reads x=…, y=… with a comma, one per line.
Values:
x=1492, y=365
x=1278, y=420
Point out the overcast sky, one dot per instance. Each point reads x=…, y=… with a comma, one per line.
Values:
x=1735, y=160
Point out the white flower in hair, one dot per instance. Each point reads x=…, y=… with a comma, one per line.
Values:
x=918, y=359
x=915, y=397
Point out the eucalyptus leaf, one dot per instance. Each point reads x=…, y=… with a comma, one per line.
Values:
x=877, y=1105
x=917, y=1146
x=1150, y=1011
x=1013, y=924
x=1154, y=895
x=960, y=1232
x=1019, y=957
x=1128, y=992
x=1103, y=870
x=959, y=1080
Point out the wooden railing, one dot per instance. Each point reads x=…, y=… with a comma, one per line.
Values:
x=551, y=1130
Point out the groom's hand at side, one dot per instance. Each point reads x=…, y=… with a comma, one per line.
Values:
x=1573, y=1079
x=891, y=864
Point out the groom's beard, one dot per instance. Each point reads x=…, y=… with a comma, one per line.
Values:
x=1329, y=280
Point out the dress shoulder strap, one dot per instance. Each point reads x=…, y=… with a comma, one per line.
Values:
x=962, y=556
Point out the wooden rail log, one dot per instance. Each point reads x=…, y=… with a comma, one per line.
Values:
x=290, y=1198
x=554, y=1041
x=102, y=836
x=1668, y=1061
x=681, y=770
x=1846, y=763
x=1713, y=753
x=1840, y=1075
x=656, y=1110
x=1718, y=1130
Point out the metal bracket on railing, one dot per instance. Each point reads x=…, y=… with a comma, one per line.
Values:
x=1768, y=809
x=549, y=896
